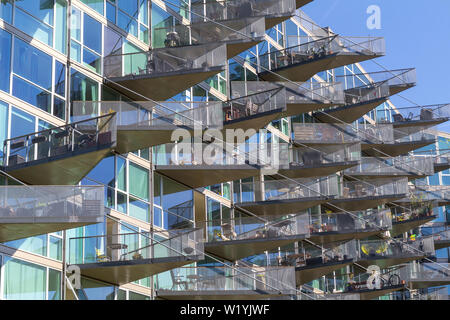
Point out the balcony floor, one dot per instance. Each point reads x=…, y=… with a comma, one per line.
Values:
x=420, y=124
x=218, y=294
x=302, y=72
x=439, y=167
x=393, y=149
x=423, y=284
x=309, y=273
x=388, y=261
x=372, y=294
x=318, y=170
x=349, y=113
x=65, y=169
x=404, y=226
x=234, y=250
x=274, y=19
x=396, y=89
x=256, y=122
x=196, y=176
x=162, y=86
x=122, y=272
x=280, y=207
x=441, y=244
x=363, y=203
x=340, y=236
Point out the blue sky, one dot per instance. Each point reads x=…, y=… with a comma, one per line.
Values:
x=417, y=34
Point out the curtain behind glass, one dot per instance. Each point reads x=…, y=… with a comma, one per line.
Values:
x=23, y=280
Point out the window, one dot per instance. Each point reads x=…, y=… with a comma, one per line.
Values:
x=97, y=5
x=5, y=59
x=3, y=126
x=82, y=88
x=131, y=16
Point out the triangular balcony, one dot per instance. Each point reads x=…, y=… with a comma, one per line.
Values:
x=409, y=217
x=162, y=73
x=438, y=195
x=28, y=211
x=362, y=195
x=306, y=56
x=235, y=239
x=122, y=258
x=318, y=135
x=426, y=275
x=441, y=239
x=226, y=283
x=278, y=197
x=300, y=98
x=61, y=155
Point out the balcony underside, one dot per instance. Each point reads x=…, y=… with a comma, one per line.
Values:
x=256, y=122
x=10, y=231
x=235, y=47
x=309, y=273
x=234, y=250
x=393, y=149
x=440, y=202
x=349, y=113
x=122, y=272
x=318, y=170
x=404, y=226
x=422, y=284
x=372, y=294
x=363, y=203
x=160, y=87
x=294, y=109
x=388, y=261
x=301, y=72
x=340, y=236
x=410, y=176
x=66, y=169
x=397, y=88
x=420, y=124
x=280, y=207
x=218, y=294
x=439, y=167
x=196, y=176
x=441, y=244
x=274, y=19
x=301, y=3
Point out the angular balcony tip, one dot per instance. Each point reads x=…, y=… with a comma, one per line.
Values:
x=362, y=195
x=358, y=102
x=410, y=217
x=227, y=283
x=442, y=240
x=441, y=163
x=146, y=124
x=273, y=11
x=307, y=56
x=435, y=196
x=254, y=111
x=319, y=161
x=117, y=259
x=234, y=240
x=411, y=167
x=302, y=3
x=426, y=275
x=387, y=285
x=285, y=196
x=61, y=155
x=300, y=98
x=312, y=263
x=162, y=73
x=27, y=211
x=386, y=253
x=337, y=227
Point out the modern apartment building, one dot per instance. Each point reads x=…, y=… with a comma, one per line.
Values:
x=203, y=149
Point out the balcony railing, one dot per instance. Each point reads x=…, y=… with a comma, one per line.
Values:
x=291, y=189
x=321, y=155
x=425, y=193
x=237, y=9
x=98, y=132
x=300, y=93
x=442, y=236
x=51, y=204
x=376, y=188
x=199, y=33
x=252, y=228
x=358, y=221
x=244, y=106
x=422, y=113
x=386, y=248
x=145, y=114
x=165, y=60
x=416, y=210
x=426, y=272
x=366, y=93
x=303, y=49
x=439, y=294
x=407, y=165
x=324, y=133
x=223, y=279
x=136, y=246
x=390, y=77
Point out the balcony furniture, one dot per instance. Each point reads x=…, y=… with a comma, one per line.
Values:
x=59, y=150
x=119, y=247
x=345, y=222
x=228, y=232
x=101, y=257
x=314, y=261
x=282, y=226
x=172, y=39
x=360, y=191
x=104, y=138
x=426, y=114
x=177, y=281
x=311, y=158
x=15, y=160
x=346, y=192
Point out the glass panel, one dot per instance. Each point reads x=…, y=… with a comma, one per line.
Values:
x=139, y=210
x=32, y=94
x=121, y=174
x=54, y=284
x=75, y=26
x=55, y=248
x=97, y=5
x=60, y=26
x=23, y=280
x=5, y=59
x=6, y=11
x=33, y=27
x=92, y=34
x=3, y=125
x=139, y=181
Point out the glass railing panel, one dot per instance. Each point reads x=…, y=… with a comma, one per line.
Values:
x=51, y=203
x=374, y=188
x=366, y=93
x=325, y=133
x=390, y=77
x=281, y=279
x=426, y=272
x=388, y=248
x=165, y=60
x=320, y=155
x=78, y=136
x=238, y=9
x=136, y=246
x=145, y=114
x=418, y=209
x=418, y=113
x=410, y=165
x=308, y=92
x=442, y=236
x=248, y=228
x=377, y=134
